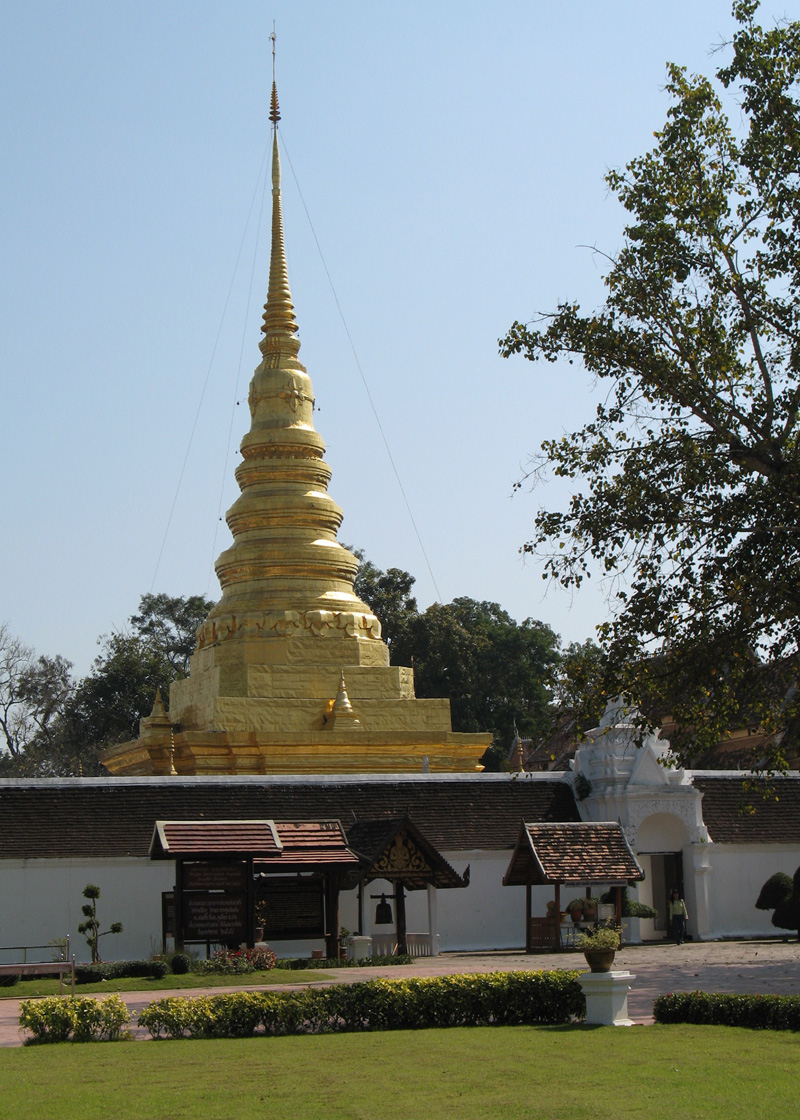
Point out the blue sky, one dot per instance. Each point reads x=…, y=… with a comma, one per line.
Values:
x=451, y=157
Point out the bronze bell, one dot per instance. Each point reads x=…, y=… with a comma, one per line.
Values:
x=383, y=912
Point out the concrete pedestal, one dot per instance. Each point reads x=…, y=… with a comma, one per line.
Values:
x=358, y=947
x=607, y=997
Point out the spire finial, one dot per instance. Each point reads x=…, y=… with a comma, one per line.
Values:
x=274, y=111
x=279, y=326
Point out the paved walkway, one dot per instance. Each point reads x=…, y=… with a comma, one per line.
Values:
x=748, y=967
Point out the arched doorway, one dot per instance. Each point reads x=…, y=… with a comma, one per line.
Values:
x=660, y=840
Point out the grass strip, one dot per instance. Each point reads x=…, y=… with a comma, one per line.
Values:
x=511, y=1073
x=45, y=986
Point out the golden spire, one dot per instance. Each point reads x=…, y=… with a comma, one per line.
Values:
x=279, y=326
x=286, y=574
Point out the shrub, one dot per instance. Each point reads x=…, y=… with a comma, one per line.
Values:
x=506, y=998
x=8, y=980
x=180, y=963
x=775, y=891
x=787, y=914
x=778, y=1013
x=234, y=962
x=630, y=907
x=75, y=1019
x=117, y=970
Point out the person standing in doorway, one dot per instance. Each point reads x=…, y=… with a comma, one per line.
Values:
x=676, y=912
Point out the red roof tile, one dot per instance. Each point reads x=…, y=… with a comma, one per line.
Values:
x=589, y=852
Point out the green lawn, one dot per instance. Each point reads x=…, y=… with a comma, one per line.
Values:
x=511, y=1073
x=45, y=986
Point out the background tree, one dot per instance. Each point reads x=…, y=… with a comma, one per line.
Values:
x=33, y=690
x=690, y=471
x=170, y=623
x=580, y=684
x=389, y=595
x=67, y=724
x=497, y=673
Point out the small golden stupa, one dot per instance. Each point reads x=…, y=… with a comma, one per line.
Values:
x=290, y=674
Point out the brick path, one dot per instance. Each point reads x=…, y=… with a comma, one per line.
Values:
x=749, y=967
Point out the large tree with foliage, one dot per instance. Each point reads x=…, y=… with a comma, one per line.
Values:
x=497, y=673
x=688, y=477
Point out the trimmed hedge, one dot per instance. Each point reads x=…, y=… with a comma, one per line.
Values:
x=493, y=999
x=75, y=1019
x=117, y=970
x=774, y=1013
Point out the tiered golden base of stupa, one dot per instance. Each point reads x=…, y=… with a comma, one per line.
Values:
x=269, y=707
x=291, y=675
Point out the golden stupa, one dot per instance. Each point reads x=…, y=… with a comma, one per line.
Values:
x=290, y=674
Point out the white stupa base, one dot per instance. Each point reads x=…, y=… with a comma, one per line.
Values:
x=607, y=998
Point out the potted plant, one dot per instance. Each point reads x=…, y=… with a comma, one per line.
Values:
x=589, y=909
x=599, y=947
x=575, y=909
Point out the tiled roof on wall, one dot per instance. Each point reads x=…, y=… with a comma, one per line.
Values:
x=114, y=817
x=742, y=809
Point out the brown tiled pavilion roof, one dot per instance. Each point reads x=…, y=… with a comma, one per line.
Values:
x=747, y=809
x=214, y=838
x=114, y=817
x=588, y=853
x=313, y=843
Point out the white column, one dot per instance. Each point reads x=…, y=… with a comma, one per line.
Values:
x=696, y=886
x=433, y=919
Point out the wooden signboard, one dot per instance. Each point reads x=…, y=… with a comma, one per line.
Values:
x=215, y=875
x=291, y=908
x=215, y=917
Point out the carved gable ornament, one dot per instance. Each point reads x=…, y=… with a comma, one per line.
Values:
x=400, y=856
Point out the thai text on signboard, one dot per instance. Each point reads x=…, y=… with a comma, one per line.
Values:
x=215, y=875
x=214, y=917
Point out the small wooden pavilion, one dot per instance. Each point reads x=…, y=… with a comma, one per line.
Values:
x=395, y=850
x=585, y=854
x=222, y=867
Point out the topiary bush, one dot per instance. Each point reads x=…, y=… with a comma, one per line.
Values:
x=75, y=1019
x=787, y=914
x=181, y=963
x=775, y=891
x=777, y=1013
x=491, y=999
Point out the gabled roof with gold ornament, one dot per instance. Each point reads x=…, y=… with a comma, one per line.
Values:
x=396, y=850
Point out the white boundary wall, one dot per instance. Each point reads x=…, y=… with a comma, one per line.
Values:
x=736, y=874
x=42, y=900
